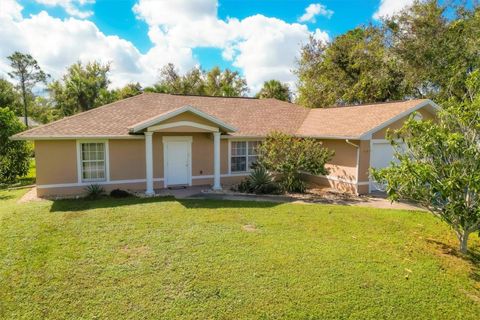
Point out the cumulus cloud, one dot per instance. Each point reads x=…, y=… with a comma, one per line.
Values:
x=314, y=10
x=388, y=8
x=70, y=6
x=268, y=48
x=263, y=48
x=57, y=43
x=167, y=12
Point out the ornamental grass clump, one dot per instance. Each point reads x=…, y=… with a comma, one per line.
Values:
x=260, y=181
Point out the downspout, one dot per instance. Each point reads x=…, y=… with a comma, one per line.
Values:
x=358, y=161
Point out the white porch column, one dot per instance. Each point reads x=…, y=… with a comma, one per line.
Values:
x=216, y=161
x=149, y=163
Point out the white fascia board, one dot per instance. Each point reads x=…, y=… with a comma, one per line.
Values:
x=76, y=137
x=230, y=137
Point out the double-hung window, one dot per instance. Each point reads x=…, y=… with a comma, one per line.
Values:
x=93, y=164
x=243, y=155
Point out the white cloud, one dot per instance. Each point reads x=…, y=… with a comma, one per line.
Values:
x=268, y=49
x=167, y=12
x=388, y=8
x=264, y=48
x=314, y=10
x=70, y=6
x=10, y=9
x=57, y=43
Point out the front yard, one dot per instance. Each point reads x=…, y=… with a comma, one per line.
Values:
x=153, y=259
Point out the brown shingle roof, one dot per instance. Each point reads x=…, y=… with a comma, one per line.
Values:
x=352, y=121
x=251, y=117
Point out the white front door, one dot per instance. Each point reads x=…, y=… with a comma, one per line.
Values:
x=177, y=162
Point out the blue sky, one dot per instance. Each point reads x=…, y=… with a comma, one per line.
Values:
x=261, y=39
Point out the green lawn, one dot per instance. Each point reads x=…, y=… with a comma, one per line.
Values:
x=166, y=259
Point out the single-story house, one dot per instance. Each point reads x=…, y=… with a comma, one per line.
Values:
x=154, y=141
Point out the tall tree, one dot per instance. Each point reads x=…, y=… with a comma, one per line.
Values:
x=427, y=50
x=215, y=82
x=172, y=82
x=129, y=90
x=43, y=111
x=109, y=96
x=27, y=73
x=355, y=68
x=275, y=89
x=225, y=84
x=438, y=45
x=81, y=87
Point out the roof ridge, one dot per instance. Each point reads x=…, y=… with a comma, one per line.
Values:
x=78, y=114
x=370, y=103
x=207, y=96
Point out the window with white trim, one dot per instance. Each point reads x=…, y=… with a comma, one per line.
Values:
x=243, y=155
x=92, y=157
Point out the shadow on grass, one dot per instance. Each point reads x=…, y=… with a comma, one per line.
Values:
x=221, y=203
x=473, y=256
x=68, y=205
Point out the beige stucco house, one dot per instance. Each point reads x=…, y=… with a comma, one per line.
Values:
x=154, y=141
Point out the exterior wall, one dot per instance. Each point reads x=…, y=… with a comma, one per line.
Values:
x=189, y=116
x=337, y=185
x=342, y=174
x=363, y=189
x=127, y=162
x=183, y=129
x=56, y=161
x=344, y=163
x=127, y=159
x=398, y=124
x=364, y=160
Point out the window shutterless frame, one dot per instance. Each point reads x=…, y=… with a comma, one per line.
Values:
x=242, y=154
x=93, y=161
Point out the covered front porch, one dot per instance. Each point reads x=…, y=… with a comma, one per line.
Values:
x=183, y=148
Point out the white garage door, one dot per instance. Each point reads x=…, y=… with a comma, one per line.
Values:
x=382, y=153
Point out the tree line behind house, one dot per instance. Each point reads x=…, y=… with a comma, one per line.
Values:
x=85, y=86
x=426, y=51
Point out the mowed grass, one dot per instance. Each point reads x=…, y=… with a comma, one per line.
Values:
x=167, y=259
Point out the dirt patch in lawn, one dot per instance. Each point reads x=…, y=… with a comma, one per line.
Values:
x=134, y=252
x=249, y=228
